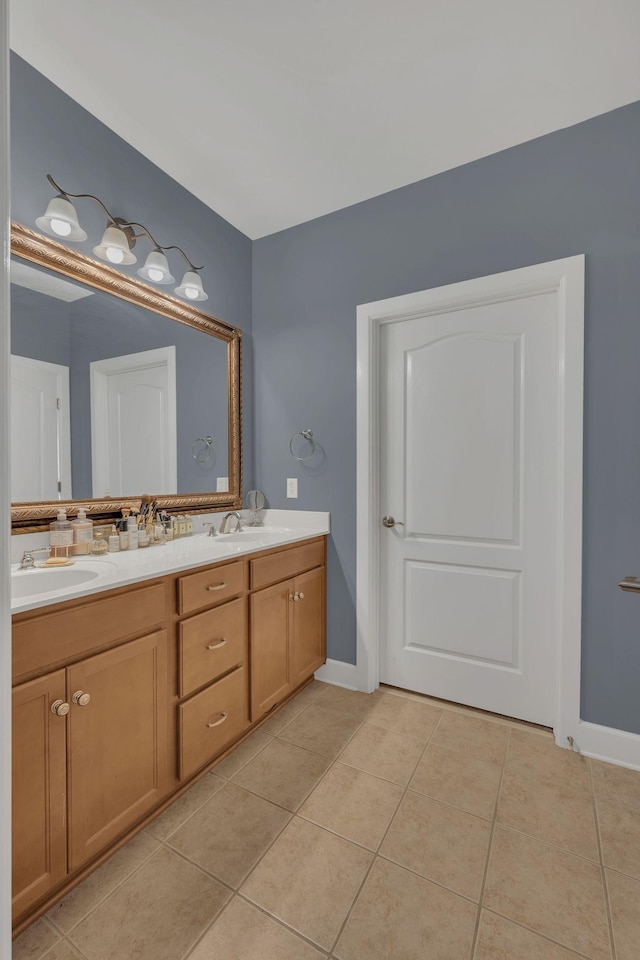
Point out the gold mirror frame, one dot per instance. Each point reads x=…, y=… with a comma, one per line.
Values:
x=45, y=252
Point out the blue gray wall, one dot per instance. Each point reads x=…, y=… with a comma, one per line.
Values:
x=51, y=133
x=575, y=191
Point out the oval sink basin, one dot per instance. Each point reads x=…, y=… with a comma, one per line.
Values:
x=244, y=536
x=29, y=583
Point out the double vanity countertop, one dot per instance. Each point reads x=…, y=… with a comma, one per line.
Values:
x=89, y=575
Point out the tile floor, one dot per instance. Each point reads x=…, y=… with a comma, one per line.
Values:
x=387, y=827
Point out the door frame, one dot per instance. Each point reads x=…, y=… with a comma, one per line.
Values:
x=565, y=278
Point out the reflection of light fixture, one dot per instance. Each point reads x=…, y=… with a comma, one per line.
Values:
x=61, y=220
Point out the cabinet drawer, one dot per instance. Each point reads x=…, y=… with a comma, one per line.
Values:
x=211, y=643
x=288, y=563
x=211, y=720
x=198, y=590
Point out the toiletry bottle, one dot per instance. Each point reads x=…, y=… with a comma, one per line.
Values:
x=132, y=529
x=123, y=535
x=143, y=536
x=82, y=533
x=60, y=533
x=189, y=521
x=114, y=540
x=99, y=545
x=182, y=525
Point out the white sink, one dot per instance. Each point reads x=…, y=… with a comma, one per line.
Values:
x=245, y=536
x=31, y=583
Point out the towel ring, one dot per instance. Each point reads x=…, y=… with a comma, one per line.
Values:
x=308, y=436
x=202, y=454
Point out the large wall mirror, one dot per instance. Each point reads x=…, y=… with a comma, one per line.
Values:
x=117, y=390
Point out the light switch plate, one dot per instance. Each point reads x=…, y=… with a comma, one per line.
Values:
x=292, y=488
x=222, y=485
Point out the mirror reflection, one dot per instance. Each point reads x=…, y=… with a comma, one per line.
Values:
x=110, y=399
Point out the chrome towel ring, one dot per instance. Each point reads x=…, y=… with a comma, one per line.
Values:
x=202, y=453
x=308, y=436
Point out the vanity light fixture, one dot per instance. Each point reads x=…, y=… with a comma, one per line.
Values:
x=61, y=220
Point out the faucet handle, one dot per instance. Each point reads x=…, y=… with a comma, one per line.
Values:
x=212, y=529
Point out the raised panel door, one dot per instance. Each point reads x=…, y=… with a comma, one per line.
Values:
x=118, y=763
x=307, y=637
x=38, y=791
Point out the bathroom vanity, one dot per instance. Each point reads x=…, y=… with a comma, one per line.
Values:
x=128, y=687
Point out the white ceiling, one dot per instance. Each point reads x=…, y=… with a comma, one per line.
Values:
x=274, y=112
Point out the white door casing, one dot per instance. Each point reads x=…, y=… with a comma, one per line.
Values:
x=133, y=423
x=468, y=519
x=40, y=431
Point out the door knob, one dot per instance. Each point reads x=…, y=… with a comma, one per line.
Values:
x=81, y=698
x=390, y=522
x=60, y=708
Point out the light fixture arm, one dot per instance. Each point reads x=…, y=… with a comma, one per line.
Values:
x=157, y=246
x=78, y=196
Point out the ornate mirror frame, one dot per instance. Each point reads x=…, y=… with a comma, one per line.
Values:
x=42, y=251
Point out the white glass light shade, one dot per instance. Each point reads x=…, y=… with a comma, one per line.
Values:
x=156, y=268
x=61, y=220
x=191, y=287
x=114, y=247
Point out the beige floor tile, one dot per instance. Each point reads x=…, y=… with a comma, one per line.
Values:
x=399, y=916
x=62, y=951
x=82, y=899
x=243, y=932
x=354, y=804
x=624, y=899
x=405, y=716
x=469, y=783
x=154, y=915
x=311, y=692
x=550, y=891
x=247, y=750
x=283, y=773
x=549, y=811
x=383, y=753
x=184, y=807
x=229, y=834
x=276, y=724
x=309, y=879
x=440, y=843
x=539, y=758
x=616, y=784
x=500, y=939
x=471, y=736
x=321, y=731
x=350, y=702
x=35, y=941
x=620, y=837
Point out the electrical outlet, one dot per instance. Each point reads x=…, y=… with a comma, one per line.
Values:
x=292, y=488
x=222, y=485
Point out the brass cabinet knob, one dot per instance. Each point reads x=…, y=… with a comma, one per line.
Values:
x=296, y=597
x=81, y=698
x=60, y=708
x=291, y=597
x=301, y=595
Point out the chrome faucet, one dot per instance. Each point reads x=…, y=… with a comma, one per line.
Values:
x=226, y=523
x=27, y=562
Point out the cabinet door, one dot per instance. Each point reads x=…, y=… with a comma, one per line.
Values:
x=307, y=639
x=270, y=676
x=39, y=791
x=117, y=742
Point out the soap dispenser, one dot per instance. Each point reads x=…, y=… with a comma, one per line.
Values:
x=60, y=531
x=82, y=533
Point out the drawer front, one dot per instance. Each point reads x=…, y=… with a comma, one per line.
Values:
x=211, y=643
x=288, y=563
x=199, y=590
x=211, y=720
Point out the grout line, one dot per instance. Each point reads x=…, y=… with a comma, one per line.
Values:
x=197, y=810
x=323, y=950
x=537, y=933
x=603, y=875
x=474, y=941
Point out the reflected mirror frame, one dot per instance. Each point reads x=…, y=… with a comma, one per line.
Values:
x=35, y=248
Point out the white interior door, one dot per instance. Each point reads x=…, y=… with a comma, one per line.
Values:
x=470, y=470
x=40, y=431
x=133, y=424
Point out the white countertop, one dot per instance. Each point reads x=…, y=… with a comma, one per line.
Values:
x=132, y=566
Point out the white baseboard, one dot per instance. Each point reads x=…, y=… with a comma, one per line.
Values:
x=609, y=744
x=339, y=674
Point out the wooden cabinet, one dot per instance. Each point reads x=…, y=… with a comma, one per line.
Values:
x=38, y=791
x=287, y=628
x=160, y=678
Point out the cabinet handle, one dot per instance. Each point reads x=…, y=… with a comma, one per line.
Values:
x=216, y=723
x=291, y=596
x=60, y=708
x=214, y=646
x=218, y=586
x=301, y=595
x=81, y=698
x=296, y=597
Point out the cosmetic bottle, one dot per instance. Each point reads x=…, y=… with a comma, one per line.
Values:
x=189, y=523
x=132, y=529
x=123, y=535
x=61, y=531
x=143, y=536
x=99, y=545
x=82, y=529
x=114, y=540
